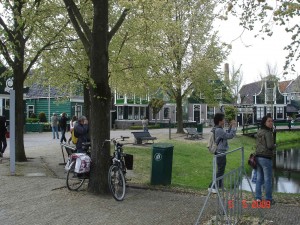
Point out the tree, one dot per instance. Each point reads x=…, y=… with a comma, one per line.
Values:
x=185, y=51
x=156, y=105
x=230, y=113
x=267, y=14
x=96, y=41
x=27, y=29
x=235, y=81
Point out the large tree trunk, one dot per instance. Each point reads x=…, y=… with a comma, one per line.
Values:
x=179, y=113
x=100, y=96
x=19, y=115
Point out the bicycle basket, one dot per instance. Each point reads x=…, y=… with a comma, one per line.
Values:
x=128, y=161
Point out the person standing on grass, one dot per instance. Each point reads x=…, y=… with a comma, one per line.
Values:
x=54, y=125
x=3, y=131
x=145, y=124
x=265, y=146
x=221, y=137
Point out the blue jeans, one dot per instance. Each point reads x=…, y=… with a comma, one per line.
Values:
x=55, y=131
x=221, y=164
x=264, y=176
x=254, y=175
x=63, y=137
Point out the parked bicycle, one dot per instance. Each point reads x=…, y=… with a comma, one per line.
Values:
x=117, y=171
x=75, y=178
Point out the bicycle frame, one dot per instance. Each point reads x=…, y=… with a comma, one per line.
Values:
x=117, y=171
x=118, y=158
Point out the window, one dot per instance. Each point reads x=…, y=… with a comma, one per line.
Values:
x=30, y=110
x=7, y=104
x=78, y=110
x=270, y=111
x=279, y=113
x=166, y=113
x=196, y=107
x=120, y=112
x=130, y=112
x=260, y=113
x=210, y=112
x=120, y=96
x=142, y=113
x=136, y=113
x=269, y=95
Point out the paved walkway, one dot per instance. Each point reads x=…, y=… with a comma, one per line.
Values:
x=37, y=195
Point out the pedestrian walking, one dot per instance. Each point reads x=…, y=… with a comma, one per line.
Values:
x=3, y=131
x=54, y=125
x=72, y=124
x=63, y=127
x=145, y=124
x=221, y=137
x=264, y=152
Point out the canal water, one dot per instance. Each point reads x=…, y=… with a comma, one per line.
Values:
x=286, y=177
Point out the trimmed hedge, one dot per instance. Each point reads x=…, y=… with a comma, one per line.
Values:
x=138, y=127
x=32, y=120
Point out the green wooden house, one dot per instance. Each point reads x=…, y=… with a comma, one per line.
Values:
x=48, y=100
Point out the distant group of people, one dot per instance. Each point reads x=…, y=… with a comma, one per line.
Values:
x=78, y=129
x=265, y=145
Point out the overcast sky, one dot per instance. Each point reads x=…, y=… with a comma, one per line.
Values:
x=258, y=54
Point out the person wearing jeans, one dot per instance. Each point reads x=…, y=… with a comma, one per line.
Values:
x=221, y=137
x=264, y=152
x=54, y=125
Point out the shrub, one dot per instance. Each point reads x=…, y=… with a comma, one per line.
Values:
x=32, y=120
x=42, y=117
x=32, y=115
x=139, y=127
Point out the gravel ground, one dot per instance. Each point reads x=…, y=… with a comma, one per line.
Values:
x=37, y=195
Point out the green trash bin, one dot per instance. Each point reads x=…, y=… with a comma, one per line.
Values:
x=200, y=127
x=162, y=158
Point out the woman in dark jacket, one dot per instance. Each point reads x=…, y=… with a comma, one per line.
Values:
x=264, y=153
x=3, y=131
x=81, y=130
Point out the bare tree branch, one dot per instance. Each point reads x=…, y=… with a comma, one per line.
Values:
x=117, y=25
x=79, y=25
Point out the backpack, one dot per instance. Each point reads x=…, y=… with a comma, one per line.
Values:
x=212, y=145
x=74, y=138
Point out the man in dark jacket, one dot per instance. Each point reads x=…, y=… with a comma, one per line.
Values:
x=81, y=130
x=63, y=127
x=3, y=131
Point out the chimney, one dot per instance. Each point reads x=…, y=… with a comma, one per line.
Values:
x=226, y=73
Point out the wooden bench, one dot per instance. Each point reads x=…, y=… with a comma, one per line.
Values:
x=193, y=133
x=142, y=136
x=69, y=149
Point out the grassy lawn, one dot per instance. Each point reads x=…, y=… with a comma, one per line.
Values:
x=192, y=162
x=287, y=138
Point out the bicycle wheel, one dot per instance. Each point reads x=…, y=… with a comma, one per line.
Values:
x=116, y=182
x=73, y=181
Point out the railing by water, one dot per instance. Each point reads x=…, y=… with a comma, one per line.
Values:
x=231, y=200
